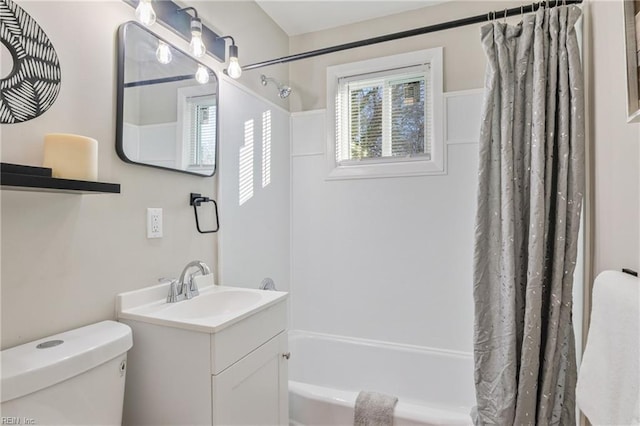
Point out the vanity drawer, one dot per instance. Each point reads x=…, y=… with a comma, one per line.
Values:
x=236, y=341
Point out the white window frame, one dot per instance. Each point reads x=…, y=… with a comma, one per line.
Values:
x=387, y=166
x=206, y=101
x=183, y=128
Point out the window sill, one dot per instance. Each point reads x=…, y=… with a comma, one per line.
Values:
x=385, y=170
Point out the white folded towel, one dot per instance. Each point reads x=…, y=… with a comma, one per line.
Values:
x=374, y=409
x=608, y=388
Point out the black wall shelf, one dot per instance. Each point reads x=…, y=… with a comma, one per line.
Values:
x=17, y=177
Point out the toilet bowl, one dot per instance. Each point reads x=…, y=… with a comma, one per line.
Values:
x=72, y=378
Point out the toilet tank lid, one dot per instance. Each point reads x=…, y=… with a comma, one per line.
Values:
x=26, y=368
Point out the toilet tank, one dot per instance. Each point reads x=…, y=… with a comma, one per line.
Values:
x=72, y=378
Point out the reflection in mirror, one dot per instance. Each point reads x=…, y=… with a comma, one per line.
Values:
x=167, y=105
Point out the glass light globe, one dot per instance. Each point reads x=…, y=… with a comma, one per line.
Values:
x=234, y=70
x=202, y=75
x=145, y=13
x=163, y=53
x=197, y=46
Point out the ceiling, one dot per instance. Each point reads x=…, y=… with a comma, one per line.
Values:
x=304, y=16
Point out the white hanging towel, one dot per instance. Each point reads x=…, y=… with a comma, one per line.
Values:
x=608, y=388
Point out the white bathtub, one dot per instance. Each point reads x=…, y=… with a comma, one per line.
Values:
x=326, y=373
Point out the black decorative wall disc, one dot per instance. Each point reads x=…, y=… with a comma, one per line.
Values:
x=33, y=84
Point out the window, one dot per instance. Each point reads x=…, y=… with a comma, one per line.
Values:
x=196, y=128
x=385, y=116
x=202, y=132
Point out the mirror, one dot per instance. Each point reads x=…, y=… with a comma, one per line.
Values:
x=167, y=106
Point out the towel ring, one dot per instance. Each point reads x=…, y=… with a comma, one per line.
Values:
x=196, y=200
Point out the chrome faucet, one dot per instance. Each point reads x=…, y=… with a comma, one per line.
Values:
x=185, y=287
x=188, y=286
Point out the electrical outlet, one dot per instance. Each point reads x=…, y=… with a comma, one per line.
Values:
x=154, y=223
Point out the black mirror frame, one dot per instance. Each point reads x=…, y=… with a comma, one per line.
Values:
x=122, y=33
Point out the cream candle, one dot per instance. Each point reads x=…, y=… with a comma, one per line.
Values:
x=71, y=156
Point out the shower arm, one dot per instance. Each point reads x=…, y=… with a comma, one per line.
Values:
x=283, y=89
x=266, y=79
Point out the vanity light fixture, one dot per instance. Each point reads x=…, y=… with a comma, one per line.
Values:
x=145, y=13
x=202, y=75
x=234, y=70
x=178, y=19
x=198, y=49
x=163, y=53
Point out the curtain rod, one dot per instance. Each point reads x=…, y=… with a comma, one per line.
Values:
x=409, y=33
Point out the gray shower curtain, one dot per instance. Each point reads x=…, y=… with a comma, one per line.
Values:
x=531, y=179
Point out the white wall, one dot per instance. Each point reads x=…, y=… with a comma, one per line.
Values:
x=616, y=146
x=158, y=145
x=387, y=259
x=254, y=219
x=65, y=257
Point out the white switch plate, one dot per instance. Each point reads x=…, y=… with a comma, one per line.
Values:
x=154, y=222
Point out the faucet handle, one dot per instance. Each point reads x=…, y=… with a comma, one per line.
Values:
x=185, y=289
x=172, y=297
x=193, y=287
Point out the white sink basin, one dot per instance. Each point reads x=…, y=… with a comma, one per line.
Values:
x=211, y=304
x=216, y=308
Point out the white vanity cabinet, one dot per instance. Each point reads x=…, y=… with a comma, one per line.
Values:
x=254, y=390
x=194, y=375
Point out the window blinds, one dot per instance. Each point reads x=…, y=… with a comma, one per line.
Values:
x=202, y=146
x=385, y=114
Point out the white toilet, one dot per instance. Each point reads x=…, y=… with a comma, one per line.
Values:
x=72, y=378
